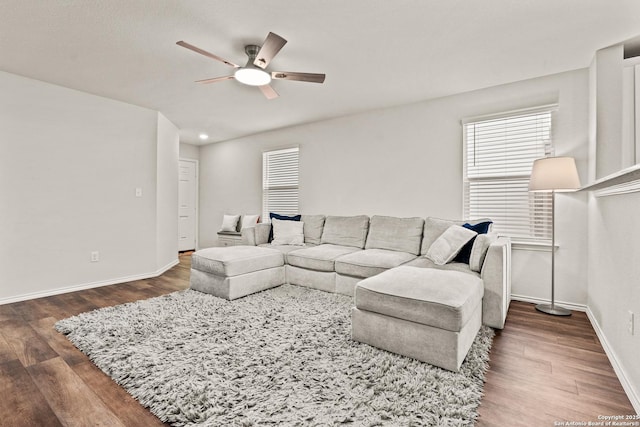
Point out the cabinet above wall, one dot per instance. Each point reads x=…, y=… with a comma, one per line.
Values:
x=615, y=116
x=631, y=111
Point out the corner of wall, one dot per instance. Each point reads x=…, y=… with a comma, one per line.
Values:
x=167, y=149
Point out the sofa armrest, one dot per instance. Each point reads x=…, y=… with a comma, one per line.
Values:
x=248, y=236
x=258, y=235
x=496, y=275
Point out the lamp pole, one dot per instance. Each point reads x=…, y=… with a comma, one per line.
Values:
x=551, y=308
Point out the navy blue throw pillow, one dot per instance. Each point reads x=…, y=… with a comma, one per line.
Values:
x=282, y=218
x=465, y=252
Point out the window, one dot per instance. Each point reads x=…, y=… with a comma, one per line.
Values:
x=280, y=182
x=499, y=154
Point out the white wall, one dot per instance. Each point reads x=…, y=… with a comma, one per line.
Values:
x=189, y=151
x=167, y=193
x=614, y=278
x=407, y=161
x=69, y=166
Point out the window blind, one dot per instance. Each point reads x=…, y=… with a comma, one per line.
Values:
x=499, y=154
x=280, y=182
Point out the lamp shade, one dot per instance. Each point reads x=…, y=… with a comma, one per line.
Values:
x=554, y=174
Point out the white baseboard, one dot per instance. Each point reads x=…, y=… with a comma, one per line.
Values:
x=534, y=300
x=169, y=265
x=632, y=394
x=79, y=287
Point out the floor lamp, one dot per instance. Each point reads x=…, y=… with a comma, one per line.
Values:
x=554, y=174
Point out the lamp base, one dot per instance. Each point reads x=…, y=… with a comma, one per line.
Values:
x=553, y=309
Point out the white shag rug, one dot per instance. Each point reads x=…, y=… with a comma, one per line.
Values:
x=279, y=357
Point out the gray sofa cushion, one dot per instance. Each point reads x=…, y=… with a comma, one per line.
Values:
x=313, y=225
x=370, y=262
x=235, y=260
x=395, y=234
x=443, y=299
x=479, y=250
x=345, y=230
x=285, y=249
x=424, y=262
x=320, y=258
x=434, y=227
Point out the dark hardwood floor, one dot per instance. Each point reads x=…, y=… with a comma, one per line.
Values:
x=543, y=369
x=546, y=369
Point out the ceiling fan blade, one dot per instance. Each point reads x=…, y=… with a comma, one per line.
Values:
x=215, y=79
x=268, y=92
x=271, y=46
x=301, y=77
x=207, y=54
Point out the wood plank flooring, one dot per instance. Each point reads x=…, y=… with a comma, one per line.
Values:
x=543, y=369
x=547, y=369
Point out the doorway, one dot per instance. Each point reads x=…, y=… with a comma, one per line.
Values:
x=188, y=205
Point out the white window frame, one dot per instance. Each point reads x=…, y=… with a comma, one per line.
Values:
x=525, y=217
x=280, y=182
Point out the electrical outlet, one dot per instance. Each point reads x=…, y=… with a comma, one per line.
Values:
x=630, y=327
x=95, y=256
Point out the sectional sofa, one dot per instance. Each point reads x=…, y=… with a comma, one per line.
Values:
x=341, y=251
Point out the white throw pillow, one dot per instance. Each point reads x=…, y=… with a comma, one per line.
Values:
x=230, y=223
x=479, y=250
x=287, y=232
x=446, y=247
x=249, y=221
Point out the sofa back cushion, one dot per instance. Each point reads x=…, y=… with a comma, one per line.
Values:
x=345, y=230
x=434, y=227
x=395, y=234
x=480, y=249
x=313, y=225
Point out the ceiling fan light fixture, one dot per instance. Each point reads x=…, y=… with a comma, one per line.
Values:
x=252, y=76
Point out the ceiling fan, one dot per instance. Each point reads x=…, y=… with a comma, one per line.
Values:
x=254, y=72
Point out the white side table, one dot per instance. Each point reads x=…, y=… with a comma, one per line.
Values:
x=228, y=238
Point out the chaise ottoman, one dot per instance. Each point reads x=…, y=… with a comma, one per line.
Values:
x=428, y=314
x=236, y=271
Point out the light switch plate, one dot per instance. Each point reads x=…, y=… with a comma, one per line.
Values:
x=631, y=322
x=138, y=192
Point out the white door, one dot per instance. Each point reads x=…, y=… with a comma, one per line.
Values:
x=187, y=193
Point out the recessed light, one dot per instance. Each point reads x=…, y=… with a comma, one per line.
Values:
x=203, y=136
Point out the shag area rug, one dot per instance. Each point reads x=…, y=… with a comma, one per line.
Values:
x=279, y=357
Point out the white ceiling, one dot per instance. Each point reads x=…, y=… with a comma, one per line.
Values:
x=375, y=53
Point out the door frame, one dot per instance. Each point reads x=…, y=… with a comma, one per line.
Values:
x=197, y=217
